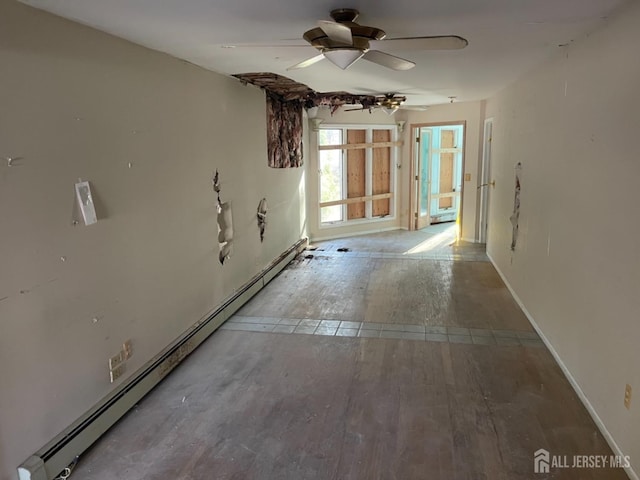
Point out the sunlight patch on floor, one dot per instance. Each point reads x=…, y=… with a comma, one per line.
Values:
x=437, y=242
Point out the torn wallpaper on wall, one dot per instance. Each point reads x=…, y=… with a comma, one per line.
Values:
x=515, y=217
x=225, y=223
x=262, y=217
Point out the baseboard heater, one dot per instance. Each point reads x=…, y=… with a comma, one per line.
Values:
x=54, y=457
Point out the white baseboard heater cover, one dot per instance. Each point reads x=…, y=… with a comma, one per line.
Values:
x=52, y=459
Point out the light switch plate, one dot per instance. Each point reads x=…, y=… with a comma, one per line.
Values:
x=116, y=360
x=85, y=200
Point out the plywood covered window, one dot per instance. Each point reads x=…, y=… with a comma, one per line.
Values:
x=356, y=173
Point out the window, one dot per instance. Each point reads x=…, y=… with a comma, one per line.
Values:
x=330, y=176
x=356, y=174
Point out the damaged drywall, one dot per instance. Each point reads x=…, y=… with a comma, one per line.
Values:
x=225, y=224
x=284, y=132
x=515, y=217
x=262, y=217
x=290, y=90
x=285, y=99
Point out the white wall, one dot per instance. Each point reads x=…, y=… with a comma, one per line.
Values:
x=573, y=123
x=71, y=99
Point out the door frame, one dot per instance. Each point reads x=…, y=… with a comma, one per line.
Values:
x=485, y=175
x=413, y=199
x=419, y=133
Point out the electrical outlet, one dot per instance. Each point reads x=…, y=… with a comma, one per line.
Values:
x=117, y=372
x=116, y=360
x=127, y=349
x=627, y=397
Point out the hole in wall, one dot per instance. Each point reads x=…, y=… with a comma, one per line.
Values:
x=225, y=224
x=225, y=231
x=262, y=217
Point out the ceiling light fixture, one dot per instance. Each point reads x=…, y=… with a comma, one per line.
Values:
x=343, y=57
x=390, y=110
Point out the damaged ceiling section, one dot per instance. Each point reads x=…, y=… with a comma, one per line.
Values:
x=290, y=90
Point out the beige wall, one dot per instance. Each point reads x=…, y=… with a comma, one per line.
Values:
x=469, y=112
x=573, y=123
x=78, y=103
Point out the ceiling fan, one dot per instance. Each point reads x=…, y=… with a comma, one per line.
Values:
x=343, y=42
x=389, y=103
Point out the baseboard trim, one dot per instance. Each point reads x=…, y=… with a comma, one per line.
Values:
x=574, y=384
x=50, y=460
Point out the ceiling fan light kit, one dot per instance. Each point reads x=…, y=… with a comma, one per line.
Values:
x=343, y=42
x=390, y=103
x=343, y=57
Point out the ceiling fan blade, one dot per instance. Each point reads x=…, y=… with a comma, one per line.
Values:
x=306, y=63
x=389, y=61
x=277, y=44
x=337, y=32
x=359, y=109
x=415, y=108
x=447, y=42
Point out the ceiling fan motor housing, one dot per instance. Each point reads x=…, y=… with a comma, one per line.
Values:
x=361, y=34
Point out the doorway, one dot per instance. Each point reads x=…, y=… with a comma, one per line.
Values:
x=437, y=173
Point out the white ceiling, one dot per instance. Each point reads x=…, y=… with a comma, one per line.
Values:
x=506, y=38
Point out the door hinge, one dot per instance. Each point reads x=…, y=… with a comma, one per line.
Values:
x=416, y=177
x=415, y=214
x=418, y=139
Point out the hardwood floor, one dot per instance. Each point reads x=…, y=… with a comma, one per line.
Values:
x=252, y=405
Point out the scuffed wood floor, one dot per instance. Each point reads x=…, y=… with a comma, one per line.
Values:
x=263, y=406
